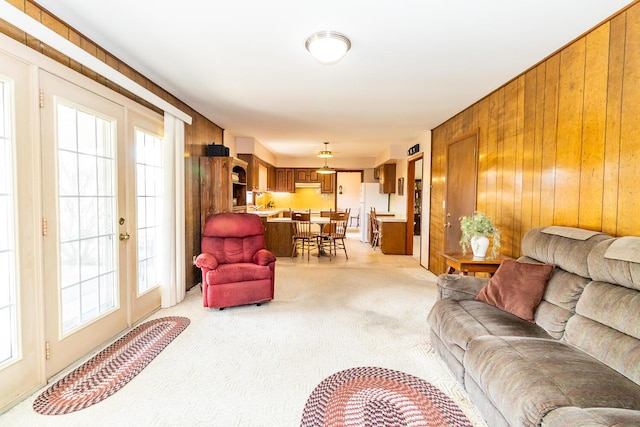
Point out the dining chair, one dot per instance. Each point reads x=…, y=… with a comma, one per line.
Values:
x=375, y=229
x=355, y=218
x=335, y=232
x=303, y=236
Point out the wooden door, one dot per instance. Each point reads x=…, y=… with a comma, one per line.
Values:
x=461, y=185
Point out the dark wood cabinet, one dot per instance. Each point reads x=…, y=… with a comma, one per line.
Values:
x=271, y=178
x=393, y=236
x=327, y=183
x=307, y=175
x=285, y=180
x=223, y=185
x=252, y=171
x=387, y=178
x=301, y=175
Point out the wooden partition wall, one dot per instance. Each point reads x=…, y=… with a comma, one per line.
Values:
x=201, y=132
x=559, y=144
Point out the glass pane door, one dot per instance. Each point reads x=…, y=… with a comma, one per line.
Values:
x=21, y=344
x=83, y=164
x=87, y=200
x=146, y=207
x=9, y=350
x=149, y=200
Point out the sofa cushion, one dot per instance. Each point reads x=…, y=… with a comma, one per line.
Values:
x=596, y=328
x=557, y=249
x=458, y=287
x=456, y=323
x=526, y=378
x=603, y=268
x=559, y=300
x=517, y=287
x=242, y=272
x=592, y=417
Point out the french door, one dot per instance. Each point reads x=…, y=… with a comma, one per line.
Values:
x=21, y=346
x=81, y=224
x=84, y=202
x=102, y=193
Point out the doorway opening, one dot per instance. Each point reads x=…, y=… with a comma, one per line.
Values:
x=414, y=207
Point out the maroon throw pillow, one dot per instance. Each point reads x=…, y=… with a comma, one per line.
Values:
x=517, y=287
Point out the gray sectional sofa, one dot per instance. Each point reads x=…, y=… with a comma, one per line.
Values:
x=579, y=363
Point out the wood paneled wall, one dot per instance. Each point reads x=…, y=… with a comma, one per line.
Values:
x=559, y=144
x=201, y=132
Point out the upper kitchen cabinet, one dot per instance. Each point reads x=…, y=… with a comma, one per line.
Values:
x=285, y=182
x=257, y=173
x=387, y=178
x=307, y=175
x=223, y=185
x=271, y=178
x=327, y=182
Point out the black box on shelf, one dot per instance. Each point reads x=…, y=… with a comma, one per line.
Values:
x=217, y=150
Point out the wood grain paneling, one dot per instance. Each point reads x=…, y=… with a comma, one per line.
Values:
x=628, y=196
x=558, y=144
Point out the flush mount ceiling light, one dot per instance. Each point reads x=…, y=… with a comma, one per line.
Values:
x=326, y=153
x=328, y=47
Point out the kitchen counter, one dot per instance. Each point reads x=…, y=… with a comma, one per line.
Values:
x=393, y=235
x=391, y=219
x=266, y=213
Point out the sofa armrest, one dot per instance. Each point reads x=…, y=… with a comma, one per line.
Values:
x=596, y=417
x=263, y=257
x=457, y=287
x=206, y=261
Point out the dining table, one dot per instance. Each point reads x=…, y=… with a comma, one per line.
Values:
x=278, y=233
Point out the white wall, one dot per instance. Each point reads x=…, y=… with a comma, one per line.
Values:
x=249, y=145
x=230, y=141
x=397, y=203
x=350, y=197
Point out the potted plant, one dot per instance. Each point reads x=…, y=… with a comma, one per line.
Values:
x=476, y=230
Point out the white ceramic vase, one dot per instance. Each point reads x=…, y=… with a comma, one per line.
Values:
x=479, y=246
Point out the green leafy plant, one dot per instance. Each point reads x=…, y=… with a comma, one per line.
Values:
x=478, y=224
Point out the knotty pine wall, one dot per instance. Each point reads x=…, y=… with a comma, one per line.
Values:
x=201, y=132
x=558, y=145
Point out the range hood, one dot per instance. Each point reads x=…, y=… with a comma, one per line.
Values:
x=307, y=185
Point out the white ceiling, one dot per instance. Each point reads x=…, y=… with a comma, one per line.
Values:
x=412, y=65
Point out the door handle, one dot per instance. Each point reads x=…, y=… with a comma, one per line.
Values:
x=124, y=236
x=447, y=225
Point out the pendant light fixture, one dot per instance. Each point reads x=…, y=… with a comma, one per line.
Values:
x=325, y=154
x=325, y=170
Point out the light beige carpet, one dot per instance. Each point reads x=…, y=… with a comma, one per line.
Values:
x=256, y=366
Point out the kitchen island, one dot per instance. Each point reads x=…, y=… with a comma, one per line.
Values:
x=393, y=235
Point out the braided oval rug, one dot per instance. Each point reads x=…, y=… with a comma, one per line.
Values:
x=111, y=369
x=371, y=396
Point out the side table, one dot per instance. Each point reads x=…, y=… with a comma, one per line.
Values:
x=466, y=264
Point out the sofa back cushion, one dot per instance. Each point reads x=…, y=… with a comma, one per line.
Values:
x=567, y=248
x=607, y=320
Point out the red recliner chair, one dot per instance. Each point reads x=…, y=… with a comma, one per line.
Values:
x=236, y=267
